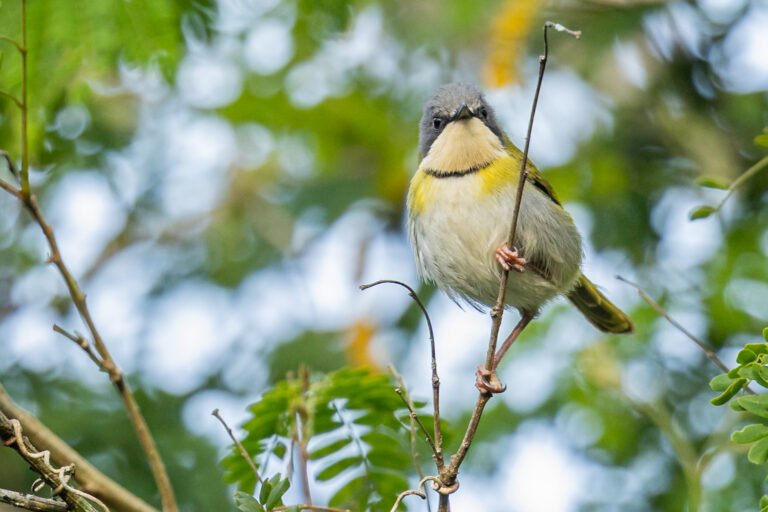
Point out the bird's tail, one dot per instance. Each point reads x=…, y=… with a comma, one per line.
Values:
x=600, y=311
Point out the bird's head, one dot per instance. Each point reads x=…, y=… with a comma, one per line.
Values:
x=458, y=130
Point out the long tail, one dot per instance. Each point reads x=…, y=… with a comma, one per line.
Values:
x=600, y=311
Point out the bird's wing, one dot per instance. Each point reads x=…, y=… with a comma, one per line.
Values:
x=535, y=177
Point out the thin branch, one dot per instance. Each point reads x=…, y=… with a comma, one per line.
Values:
x=759, y=166
x=10, y=189
x=698, y=341
x=90, y=479
x=56, y=478
x=402, y=392
x=16, y=101
x=82, y=343
x=25, y=190
x=13, y=42
x=438, y=445
x=416, y=492
x=239, y=445
x=32, y=502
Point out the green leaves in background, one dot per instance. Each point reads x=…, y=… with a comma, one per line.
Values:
x=351, y=427
x=270, y=496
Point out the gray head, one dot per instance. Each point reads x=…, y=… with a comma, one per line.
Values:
x=450, y=103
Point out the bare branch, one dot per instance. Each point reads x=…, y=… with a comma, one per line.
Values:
x=90, y=479
x=402, y=392
x=32, y=502
x=239, y=445
x=419, y=491
x=698, y=341
x=82, y=343
x=438, y=444
x=56, y=478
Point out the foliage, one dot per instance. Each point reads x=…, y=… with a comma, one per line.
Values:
x=752, y=368
x=347, y=423
x=270, y=496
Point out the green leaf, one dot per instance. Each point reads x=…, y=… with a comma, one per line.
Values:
x=756, y=372
x=750, y=434
x=758, y=454
x=247, y=503
x=331, y=448
x=729, y=393
x=735, y=406
x=763, y=502
x=702, y=212
x=756, y=404
x=734, y=372
x=762, y=140
x=720, y=382
x=275, y=497
x=706, y=181
x=266, y=488
x=745, y=356
x=337, y=467
x=765, y=334
x=757, y=348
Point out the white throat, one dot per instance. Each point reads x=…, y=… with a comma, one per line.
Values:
x=463, y=145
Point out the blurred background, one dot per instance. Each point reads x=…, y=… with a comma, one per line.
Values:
x=222, y=176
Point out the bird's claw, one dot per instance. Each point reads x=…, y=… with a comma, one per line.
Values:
x=488, y=382
x=509, y=259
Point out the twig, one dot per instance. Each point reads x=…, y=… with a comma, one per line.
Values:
x=56, y=478
x=90, y=479
x=32, y=502
x=13, y=98
x=239, y=445
x=701, y=344
x=82, y=343
x=415, y=492
x=438, y=445
x=25, y=190
x=759, y=166
x=415, y=421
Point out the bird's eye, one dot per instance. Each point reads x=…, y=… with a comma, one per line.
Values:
x=437, y=123
x=484, y=113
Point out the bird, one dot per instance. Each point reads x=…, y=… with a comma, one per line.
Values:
x=459, y=206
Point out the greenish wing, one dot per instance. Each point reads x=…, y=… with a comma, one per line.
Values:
x=535, y=177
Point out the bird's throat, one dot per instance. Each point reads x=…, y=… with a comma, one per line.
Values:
x=463, y=146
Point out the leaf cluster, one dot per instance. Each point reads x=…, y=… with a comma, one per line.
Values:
x=349, y=424
x=753, y=367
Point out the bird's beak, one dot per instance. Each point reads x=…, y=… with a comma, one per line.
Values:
x=462, y=113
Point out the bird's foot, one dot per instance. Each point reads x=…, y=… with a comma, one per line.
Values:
x=488, y=382
x=509, y=259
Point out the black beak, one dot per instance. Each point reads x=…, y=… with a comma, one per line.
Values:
x=462, y=113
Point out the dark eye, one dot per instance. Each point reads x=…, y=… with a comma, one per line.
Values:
x=484, y=113
x=437, y=123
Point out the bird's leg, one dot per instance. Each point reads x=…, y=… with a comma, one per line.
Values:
x=487, y=381
x=509, y=259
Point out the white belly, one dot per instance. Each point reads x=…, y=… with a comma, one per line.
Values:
x=455, y=239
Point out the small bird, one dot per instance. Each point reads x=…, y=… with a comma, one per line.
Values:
x=460, y=205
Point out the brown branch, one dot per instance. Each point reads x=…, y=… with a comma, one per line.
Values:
x=698, y=341
x=416, y=492
x=437, y=447
x=78, y=297
x=32, y=502
x=56, y=478
x=90, y=479
x=239, y=445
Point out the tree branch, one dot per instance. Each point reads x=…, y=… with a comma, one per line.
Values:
x=56, y=478
x=32, y=502
x=437, y=446
x=90, y=479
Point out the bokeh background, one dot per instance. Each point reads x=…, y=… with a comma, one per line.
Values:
x=222, y=175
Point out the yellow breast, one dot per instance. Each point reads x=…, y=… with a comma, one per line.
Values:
x=427, y=190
